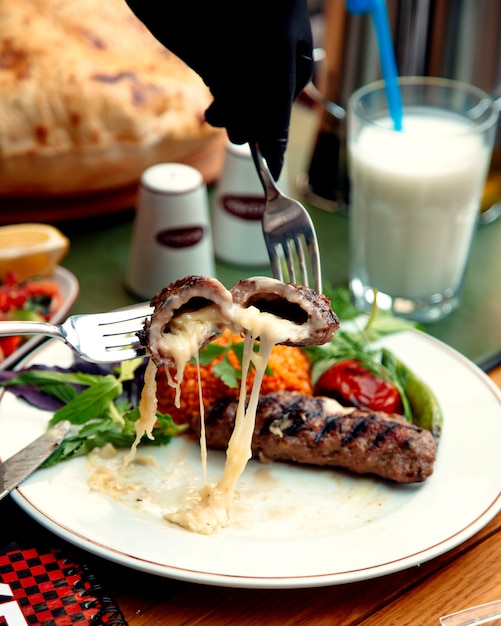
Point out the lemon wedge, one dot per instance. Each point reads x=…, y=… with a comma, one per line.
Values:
x=31, y=249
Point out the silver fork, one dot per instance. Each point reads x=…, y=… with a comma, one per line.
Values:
x=287, y=227
x=99, y=337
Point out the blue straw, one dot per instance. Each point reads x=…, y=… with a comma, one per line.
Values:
x=386, y=53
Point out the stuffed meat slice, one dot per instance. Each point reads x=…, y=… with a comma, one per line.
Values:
x=311, y=319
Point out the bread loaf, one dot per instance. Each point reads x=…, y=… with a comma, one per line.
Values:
x=84, y=79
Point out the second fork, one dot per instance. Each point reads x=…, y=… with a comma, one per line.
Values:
x=288, y=231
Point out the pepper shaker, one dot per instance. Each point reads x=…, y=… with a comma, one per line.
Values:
x=238, y=208
x=172, y=231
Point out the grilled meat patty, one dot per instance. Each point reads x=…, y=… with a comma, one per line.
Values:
x=318, y=431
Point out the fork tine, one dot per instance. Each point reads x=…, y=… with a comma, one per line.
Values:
x=303, y=272
x=121, y=341
x=121, y=328
x=128, y=315
x=276, y=263
x=311, y=241
x=114, y=333
x=123, y=355
x=314, y=254
x=289, y=259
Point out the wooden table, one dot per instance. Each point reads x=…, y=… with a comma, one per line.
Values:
x=467, y=576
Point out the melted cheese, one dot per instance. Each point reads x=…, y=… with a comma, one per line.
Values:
x=185, y=334
x=203, y=439
x=147, y=410
x=212, y=511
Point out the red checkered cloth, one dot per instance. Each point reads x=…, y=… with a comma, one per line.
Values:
x=46, y=587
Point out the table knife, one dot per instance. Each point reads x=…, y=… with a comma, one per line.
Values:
x=19, y=466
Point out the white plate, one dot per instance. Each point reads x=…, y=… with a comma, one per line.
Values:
x=69, y=287
x=292, y=526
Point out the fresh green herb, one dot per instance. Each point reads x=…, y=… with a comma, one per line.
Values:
x=358, y=344
x=95, y=404
x=341, y=301
x=224, y=369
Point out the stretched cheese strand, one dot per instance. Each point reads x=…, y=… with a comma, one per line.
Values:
x=212, y=511
x=239, y=449
x=147, y=410
x=183, y=339
x=203, y=438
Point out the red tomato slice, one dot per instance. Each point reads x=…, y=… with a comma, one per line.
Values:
x=41, y=287
x=8, y=345
x=351, y=383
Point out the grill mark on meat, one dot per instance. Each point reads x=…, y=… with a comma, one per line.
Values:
x=358, y=430
x=318, y=431
x=380, y=437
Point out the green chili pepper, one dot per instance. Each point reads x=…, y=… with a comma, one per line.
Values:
x=426, y=410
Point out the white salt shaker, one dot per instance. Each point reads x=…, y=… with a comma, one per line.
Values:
x=172, y=231
x=238, y=207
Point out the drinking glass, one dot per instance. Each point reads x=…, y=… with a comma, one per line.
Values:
x=416, y=193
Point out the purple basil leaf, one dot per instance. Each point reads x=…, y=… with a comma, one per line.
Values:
x=37, y=398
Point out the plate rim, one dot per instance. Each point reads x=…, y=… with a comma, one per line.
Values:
x=258, y=582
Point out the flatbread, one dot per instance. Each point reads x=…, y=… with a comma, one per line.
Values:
x=86, y=79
